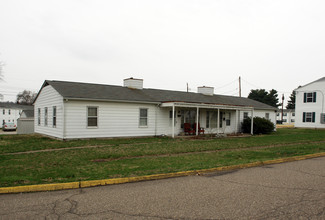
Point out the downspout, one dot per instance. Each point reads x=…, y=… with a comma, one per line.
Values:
x=156, y=119
x=252, y=123
x=173, y=118
x=236, y=122
x=64, y=119
x=197, y=121
x=218, y=121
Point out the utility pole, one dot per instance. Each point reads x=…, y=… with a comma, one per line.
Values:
x=187, y=87
x=282, y=109
x=239, y=87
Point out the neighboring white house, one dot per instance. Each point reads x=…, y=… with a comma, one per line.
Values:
x=10, y=112
x=81, y=110
x=310, y=105
x=289, y=116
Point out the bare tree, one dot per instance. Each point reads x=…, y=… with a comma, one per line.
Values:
x=26, y=97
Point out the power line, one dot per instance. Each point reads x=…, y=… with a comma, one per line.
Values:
x=226, y=84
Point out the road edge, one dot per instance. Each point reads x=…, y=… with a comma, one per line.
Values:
x=91, y=183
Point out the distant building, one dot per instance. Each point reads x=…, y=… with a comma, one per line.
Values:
x=289, y=116
x=310, y=105
x=10, y=112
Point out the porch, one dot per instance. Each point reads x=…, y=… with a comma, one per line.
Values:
x=215, y=119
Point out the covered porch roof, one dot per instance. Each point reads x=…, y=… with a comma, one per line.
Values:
x=205, y=106
x=198, y=106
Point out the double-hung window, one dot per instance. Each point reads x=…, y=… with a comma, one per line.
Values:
x=308, y=117
x=143, y=119
x=45, y=116
x=309, y=97
x=39, y=116
x=92, y=116
x=54, y=117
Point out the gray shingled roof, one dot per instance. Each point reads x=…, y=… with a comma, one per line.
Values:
x=11, y=105
x=28, y=113
x=87, y=91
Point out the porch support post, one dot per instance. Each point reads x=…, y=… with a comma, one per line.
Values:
x=218, y=121
x=173, y=121
x=197, y=121
x=252, y=122
x=236, y=122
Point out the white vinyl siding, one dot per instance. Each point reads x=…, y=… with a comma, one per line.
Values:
x=114, y=120
x=48, y=98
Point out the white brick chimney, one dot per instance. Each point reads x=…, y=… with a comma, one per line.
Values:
x=133, y=83
x=205, y=90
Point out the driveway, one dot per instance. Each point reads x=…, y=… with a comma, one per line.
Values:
x=7, y=132
x=293, y=190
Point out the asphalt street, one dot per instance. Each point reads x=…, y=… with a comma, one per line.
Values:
x=294, y=190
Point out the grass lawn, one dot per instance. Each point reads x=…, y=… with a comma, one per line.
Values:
x=124, y=157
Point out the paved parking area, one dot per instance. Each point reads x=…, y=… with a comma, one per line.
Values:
x=7, y=132
x=294, y=190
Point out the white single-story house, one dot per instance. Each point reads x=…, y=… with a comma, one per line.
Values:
x=310, y=105
x=69, y=110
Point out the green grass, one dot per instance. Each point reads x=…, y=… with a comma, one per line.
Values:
x=78, y=164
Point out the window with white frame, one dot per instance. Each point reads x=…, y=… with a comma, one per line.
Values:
x=309, y=97
x=54, y=117
x=212, y=119
x=245, y=115
x=308, y=117
x=45, y=116
x=92, y=116
x=9, y=112
x=171, y=116
x=267, y=115
x=228, y=116
x=3, y=111
x=39, y=116
x=143, y=117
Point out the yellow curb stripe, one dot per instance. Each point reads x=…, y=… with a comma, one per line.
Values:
x=40, y=187
x=90, y=183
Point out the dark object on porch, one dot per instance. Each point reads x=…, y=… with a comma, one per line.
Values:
x=200, y=129
x=188, y=129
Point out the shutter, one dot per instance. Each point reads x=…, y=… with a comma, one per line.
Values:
x=314, y=99
x=305, y=97
x=313, y=119
x=304, y=117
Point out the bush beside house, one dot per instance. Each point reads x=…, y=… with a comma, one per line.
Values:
x=261, y=126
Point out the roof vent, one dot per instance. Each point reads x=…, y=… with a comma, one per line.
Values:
x=205, y=90
x=133, y=83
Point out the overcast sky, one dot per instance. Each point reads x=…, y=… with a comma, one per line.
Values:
x=271, y=44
